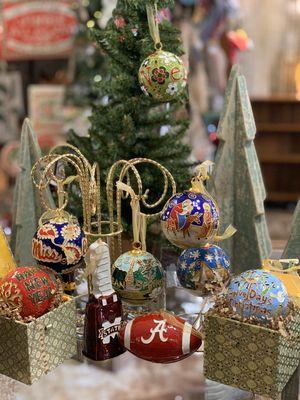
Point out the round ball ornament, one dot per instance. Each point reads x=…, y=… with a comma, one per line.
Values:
x=59, y=243
x=30, y=291
x=204, y=270
x=190, y=219
x=137, y=276
x=258, y=293
x=162, y=76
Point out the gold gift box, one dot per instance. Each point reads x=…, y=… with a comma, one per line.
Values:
x=30, y=350
x=250, y=357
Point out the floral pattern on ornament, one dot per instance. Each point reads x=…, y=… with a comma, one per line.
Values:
x=172, y=89
x=160, y=75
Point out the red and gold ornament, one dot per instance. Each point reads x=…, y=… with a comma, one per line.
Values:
x=29, y=291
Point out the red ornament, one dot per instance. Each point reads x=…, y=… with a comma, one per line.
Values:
x=119, y=22
x=103, y=318
x=29, y=290
x=160, y=337
x=122, y=39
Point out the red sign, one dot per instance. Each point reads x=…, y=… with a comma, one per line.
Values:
x=37, y=29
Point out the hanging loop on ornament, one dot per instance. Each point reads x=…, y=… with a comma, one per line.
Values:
x=153, y=24
x=203, y=175
x=138, y=219
x=56, y=216
x=158, y=46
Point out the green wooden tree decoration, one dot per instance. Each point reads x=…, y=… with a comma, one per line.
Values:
x=292, y=249
x=237, y=182
x=27, y=208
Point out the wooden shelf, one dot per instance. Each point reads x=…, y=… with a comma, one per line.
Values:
x=282, y=196
x=278, y=145
x=279, y=98
x=273, y=127
x=280, y=158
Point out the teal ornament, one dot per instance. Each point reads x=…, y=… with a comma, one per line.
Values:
x=137, y=276
x=259, y=294
x=204, y=270
x=190, y=219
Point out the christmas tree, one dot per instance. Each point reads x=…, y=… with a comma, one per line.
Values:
x=27, y=207
x=292, y=249
x=126, y=123
x=89, y=61
x=237, y=180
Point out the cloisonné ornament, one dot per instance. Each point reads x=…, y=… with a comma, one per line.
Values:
x=162, y=76
x=160, y=337
x=190, y=219
x=137, y=276
x=258, y=293
x=30, y=291
x=59, y=243
x=204, y=270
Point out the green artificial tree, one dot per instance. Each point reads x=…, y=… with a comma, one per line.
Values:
x=237, y=181
x=89, y=61
x=126, y=123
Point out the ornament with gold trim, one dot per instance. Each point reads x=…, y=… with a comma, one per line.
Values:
x=162, y=74
x=191, y=218
x=204, y=270
x=59, y=242
x=29, y=291
x=259, y=294
x=137, y=276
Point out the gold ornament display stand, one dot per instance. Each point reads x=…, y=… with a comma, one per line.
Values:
x=128, y=171
x=51, y=170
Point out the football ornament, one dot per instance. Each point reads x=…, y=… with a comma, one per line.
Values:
x=30, y=291
x=160, y=337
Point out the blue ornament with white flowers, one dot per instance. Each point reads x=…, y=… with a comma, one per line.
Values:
x=190, y=219
x=204, y=270
x=258, y=293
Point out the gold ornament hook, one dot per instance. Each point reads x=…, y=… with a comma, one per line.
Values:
x=202, y=176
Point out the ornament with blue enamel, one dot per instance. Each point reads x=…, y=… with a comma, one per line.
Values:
x=204, y=270
x=190, y=219
x=59, y=243
x=258, y=293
